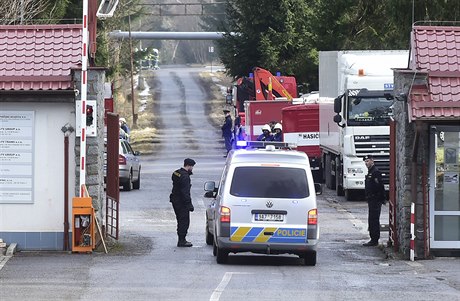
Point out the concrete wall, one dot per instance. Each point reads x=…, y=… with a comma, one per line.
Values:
x=39, y=225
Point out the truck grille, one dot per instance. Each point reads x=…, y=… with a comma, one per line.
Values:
x=377, y=146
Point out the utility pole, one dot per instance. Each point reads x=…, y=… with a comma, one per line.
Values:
x=133, y=98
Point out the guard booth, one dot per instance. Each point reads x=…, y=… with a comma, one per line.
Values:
x=83, y=225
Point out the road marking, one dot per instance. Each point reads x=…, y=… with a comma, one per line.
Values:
x=3, y=260
x=223, y=284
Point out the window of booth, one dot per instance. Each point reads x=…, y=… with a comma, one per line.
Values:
x=445, y=197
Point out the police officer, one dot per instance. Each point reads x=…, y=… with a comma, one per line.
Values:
x=375, y=197
x=227, y=133
x=182, y=201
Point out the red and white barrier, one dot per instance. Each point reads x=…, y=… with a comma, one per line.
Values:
x=412, y=232
x=83, y=92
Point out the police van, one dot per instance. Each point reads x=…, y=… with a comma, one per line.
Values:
x=264, y=203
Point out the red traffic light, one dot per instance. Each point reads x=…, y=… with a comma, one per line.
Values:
x=89, y=115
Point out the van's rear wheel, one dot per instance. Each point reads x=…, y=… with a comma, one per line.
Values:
x=309, y=258
x=221, y=256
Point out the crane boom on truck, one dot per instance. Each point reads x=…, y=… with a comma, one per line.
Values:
x=261, y=85
x=356, y=95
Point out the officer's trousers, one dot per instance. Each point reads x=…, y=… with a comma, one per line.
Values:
x=183, y=219
x=373, y=220
x=228, y=143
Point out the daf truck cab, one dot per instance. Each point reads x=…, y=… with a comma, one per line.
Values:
x=355, y=105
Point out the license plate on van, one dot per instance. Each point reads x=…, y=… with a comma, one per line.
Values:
x=269, y=217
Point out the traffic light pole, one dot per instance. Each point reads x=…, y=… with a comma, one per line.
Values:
x=83, y=94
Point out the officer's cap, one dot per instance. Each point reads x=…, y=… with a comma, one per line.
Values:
x=189, y=162
x=370, y=157
x=226, y=111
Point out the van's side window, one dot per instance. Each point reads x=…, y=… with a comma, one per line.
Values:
x=222, y=181
x=269, y=182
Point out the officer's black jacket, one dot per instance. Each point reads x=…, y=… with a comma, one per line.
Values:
x=374, y=188
x=181, y=187
x=227, y=127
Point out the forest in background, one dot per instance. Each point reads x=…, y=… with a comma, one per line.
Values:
x=283, y=35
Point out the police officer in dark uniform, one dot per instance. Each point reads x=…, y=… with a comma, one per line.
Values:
x=182, y=201
x=375, y=197
x=227, y=133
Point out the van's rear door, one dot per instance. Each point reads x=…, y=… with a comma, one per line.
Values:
x=269, y=203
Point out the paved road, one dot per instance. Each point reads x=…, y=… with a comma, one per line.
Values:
x=146, y=265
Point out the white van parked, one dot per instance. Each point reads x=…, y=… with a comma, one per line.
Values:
x=265, y=203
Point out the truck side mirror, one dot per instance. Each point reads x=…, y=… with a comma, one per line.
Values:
x=337, y=118
x=337, y=105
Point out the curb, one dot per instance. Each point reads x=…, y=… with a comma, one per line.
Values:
x=9, y=253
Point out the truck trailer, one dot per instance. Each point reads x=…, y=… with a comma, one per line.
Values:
x=355, y=105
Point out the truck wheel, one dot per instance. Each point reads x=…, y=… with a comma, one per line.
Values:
x=338, y=177
x=327, y=171
x=348, y=195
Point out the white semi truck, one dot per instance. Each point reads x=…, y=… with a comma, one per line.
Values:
x=356, y=97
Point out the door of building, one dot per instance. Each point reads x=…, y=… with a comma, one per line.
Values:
x=445, y=187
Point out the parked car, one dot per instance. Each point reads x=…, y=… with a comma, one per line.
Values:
x=129, y=166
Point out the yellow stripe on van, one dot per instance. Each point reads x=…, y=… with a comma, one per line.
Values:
x=239, y=234
x=264, y=238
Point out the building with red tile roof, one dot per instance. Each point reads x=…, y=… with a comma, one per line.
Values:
x=436, y=53
x=40, y=75
x=425, y=146
x=38, y=57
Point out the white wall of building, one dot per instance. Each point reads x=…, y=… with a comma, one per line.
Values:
x=46, y=213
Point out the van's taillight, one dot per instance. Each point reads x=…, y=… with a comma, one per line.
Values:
x=313, y=217
x=121, y=160
x=224, y=214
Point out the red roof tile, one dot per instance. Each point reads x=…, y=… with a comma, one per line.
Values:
x=39, y=57
x=436, y=48
x=436, y=51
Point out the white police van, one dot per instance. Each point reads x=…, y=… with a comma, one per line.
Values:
x=265, y=203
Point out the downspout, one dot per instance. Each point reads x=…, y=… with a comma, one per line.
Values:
x=66, y=193
x=414, y=171
x=67, y=130
x=425, y=212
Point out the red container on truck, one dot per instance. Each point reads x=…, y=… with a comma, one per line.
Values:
x=261, y=112
x=301, y=127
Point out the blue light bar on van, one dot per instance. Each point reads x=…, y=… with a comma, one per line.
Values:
x=263, y=144
x=241, y=143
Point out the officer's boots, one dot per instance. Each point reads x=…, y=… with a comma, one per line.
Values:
x=182, y=242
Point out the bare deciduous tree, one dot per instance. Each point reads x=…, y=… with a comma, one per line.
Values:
x=21, y=11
